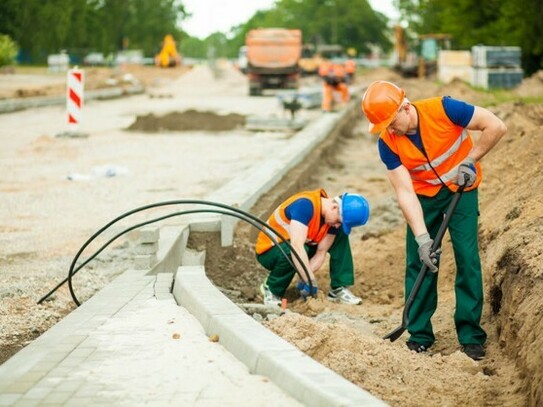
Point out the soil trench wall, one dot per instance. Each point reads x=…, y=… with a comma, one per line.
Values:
x=512, y=285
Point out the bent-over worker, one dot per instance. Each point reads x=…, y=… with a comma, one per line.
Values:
x=333, y=77
x=314, y=225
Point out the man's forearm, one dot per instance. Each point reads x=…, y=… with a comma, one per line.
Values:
x=412, y=212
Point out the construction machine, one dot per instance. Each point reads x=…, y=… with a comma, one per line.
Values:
x=313, y=56
x=423, y=62
x=430, y=45
x=168, y=55
x=273, y=55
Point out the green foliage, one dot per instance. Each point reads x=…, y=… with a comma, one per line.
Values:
x=8, y=50
x=81, y=26
x=488, y=22
x=350, y=23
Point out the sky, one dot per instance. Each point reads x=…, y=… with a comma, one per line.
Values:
x=209, y=16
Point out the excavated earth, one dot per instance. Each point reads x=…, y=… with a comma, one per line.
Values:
x=347, y=339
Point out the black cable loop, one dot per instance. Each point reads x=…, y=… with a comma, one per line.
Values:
x=245, y=216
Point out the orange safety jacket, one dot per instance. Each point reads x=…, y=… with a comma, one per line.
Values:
x=446, y=145
x=350, y=66
x=278, y=220
x=332, y=70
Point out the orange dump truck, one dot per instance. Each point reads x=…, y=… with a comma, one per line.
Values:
x=272, y=59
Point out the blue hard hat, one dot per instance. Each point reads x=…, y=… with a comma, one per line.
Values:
x=355, y=211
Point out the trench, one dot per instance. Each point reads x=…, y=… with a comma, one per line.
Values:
x=337, y=335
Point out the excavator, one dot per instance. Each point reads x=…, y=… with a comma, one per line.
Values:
x=168, y=56
x=313, y=56
x=422, y=63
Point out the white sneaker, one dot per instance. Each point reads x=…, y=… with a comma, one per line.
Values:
x=344, y=295
x=269, y=297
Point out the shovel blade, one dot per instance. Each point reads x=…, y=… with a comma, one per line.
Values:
x=395, y=334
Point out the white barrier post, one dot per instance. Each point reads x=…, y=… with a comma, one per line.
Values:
x=74, y=97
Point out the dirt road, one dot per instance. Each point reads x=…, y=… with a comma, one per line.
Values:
x=47, y=217
x=57, y=191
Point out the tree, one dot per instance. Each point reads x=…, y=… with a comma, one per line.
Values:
x=44, y=27
x=350, y=23
x=488, y=22
x=8, y=50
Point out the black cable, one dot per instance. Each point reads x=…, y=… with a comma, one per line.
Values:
x=166, y=217
x=177, y=202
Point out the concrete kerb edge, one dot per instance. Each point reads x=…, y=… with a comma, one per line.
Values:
x=15, y=105
x=259, y=349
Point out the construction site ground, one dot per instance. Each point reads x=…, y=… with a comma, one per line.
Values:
x=45, y=217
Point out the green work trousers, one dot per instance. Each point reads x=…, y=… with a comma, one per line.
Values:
x=282, y=272
x=468, y=283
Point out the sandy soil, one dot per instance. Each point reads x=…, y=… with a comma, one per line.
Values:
x=347, y=339
x=344, y=338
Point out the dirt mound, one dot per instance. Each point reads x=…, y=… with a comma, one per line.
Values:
x=532, y=86
x=189, y=120
x=511, y=239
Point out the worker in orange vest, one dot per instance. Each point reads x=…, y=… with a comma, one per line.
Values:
x=313, y=226
x=429, y=153
x=350, y=69
x=333, y=76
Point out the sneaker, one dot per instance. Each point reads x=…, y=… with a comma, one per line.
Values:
x=344, y=295
x=417, y=347
x=476, y=352
x=269, y=297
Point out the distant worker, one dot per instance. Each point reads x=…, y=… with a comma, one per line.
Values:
x=315, y=225
x=168, y=56
x=333, y=76
x=350, y=65
x=350, y=70
x=428, y=151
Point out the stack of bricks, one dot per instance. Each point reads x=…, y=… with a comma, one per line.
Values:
x=147, y=248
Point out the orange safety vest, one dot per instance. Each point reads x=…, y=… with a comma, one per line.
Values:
x=279, y=222
x=350, y=66
x=329, y=68
x=446, y=145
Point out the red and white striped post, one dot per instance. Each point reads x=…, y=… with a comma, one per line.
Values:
x=74, y=97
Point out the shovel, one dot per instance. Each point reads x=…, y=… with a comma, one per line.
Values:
x=396, y=333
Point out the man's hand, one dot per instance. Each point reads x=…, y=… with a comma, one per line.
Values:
x=467, y=172
x=428, y=257
x=305, y=291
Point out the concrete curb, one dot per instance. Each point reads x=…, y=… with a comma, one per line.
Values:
x=262, y=351
x=35, y=373
x=14, y=105
x=259, y=349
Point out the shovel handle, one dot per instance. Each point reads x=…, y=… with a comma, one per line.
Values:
x=422, y=273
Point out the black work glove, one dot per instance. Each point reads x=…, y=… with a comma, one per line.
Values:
x=467, y=173
x=428, y=257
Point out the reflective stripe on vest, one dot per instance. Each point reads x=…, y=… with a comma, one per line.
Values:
x=278, y=220
x=446, y=146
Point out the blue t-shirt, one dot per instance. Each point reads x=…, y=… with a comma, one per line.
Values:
x=301, y=210
x=459, y=112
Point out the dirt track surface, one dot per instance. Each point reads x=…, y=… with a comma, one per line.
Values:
x=346, y=339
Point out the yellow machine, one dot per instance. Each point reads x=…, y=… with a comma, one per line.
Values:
x=313, y=56
x=168, y=55
x=423, y=62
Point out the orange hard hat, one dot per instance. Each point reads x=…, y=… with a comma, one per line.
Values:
x=381, y=103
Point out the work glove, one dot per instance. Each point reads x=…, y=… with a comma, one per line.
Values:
x=466, y=172
x=428, y=257
x=304, y=289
